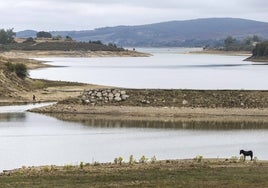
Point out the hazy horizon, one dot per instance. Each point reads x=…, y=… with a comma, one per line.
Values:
x=139, y=24
x=54, y=15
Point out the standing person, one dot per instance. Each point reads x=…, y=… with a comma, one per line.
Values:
x=34, y=98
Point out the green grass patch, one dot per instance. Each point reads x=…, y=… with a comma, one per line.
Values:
x=159, y=174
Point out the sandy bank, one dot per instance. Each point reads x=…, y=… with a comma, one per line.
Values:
x=160, y=113
x=40, y=54
x=222, y=52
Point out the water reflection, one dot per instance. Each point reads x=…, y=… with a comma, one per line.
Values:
x=179, y=123
x=12, y=117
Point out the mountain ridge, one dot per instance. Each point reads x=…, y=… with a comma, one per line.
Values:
x=196, y=32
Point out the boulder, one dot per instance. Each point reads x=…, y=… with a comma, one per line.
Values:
x=99, y=94
x=184, y=102
x=117, y=99
x=117, y=95
x=104, y=95
x=124, y=97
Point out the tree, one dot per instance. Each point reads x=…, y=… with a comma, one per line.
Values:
x=43, y=34
x=255, y=38
x=7, y=36
x=229, y=41
x=260, y=50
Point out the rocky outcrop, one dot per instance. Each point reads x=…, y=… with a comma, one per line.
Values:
x=100, y=96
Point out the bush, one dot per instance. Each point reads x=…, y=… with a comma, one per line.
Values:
x=29, y=40
x=131, y=159
x=198, y=158
x=21, y=70
x=143, y=159
x=153, y=160
x=10, y=67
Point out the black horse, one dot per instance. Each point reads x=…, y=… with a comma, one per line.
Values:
x=246, y=153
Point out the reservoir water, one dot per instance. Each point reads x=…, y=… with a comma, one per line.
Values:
x=29, y=139
x=167, y=68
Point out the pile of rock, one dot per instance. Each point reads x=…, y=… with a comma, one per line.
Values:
x=94, y=96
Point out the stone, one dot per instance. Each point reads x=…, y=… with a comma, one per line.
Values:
x=110, y=95
x=93, y=100
x=124, y=97
x=184, y=102
x=84, y=97
x=145, y=102
x=117, y=99
x=99, y=94
x=117, y=95
x=96, y=96
x=114, y=91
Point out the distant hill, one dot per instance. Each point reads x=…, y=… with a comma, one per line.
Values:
x=199, y=32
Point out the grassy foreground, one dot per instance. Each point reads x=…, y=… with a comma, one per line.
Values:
x=177, y=173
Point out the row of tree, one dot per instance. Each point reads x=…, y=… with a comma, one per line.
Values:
x=7, y=36
x=246, y=44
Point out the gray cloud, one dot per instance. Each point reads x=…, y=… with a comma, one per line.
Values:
x=89, y=14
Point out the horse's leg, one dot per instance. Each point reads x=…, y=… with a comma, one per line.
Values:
x=244, y=157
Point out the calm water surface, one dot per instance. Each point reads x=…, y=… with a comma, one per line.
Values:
x=33, y=139
x=167, y=68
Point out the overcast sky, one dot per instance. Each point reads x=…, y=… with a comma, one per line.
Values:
x=51, y=15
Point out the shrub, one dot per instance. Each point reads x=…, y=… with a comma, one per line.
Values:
x=120, y=160
x=115, y=160
x=67, y=167
x=10, y=67
x=198, y=158
x=29, y=40
x=21, y=70
x=255, y=160
x=153, y=160
x=131, y=159
x=81, y=165
x=143, y=159
x=234, y=159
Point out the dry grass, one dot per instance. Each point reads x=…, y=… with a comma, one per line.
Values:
x=176, y=173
